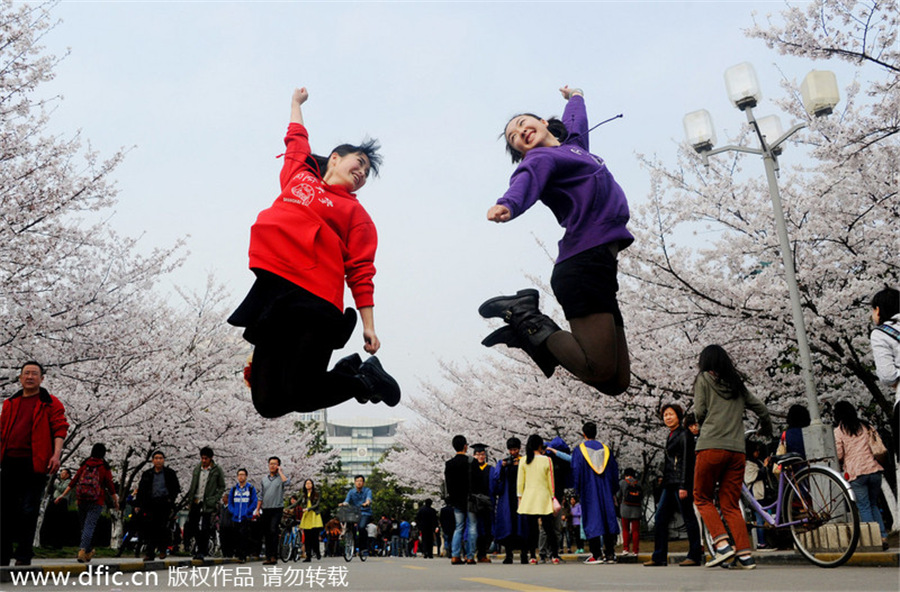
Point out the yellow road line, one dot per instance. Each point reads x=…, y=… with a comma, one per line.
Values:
x=413, y=567
x=509, y=585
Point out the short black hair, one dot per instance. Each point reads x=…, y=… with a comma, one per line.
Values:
x=589, y=429
x=689, y=419
x=678, y=409
x=32, y=363
x=206, y=451
x=359, y=477
x=459, y=442
x=159, y=452
x=798, y=417
x=244, y=470
x=428, y=503
x=271, y=458
x=887, y=302
x=513, y=443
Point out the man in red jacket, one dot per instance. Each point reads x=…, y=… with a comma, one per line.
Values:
x=33, y=428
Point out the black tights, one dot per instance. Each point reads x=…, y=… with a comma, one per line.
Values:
x=311, y=542
x=290, y=374
x=595, y=351
x=533, y=534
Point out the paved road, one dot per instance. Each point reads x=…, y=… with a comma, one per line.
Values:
x=402, y=575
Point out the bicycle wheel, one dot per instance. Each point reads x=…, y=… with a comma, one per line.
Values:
x=286, y=545
x=349, y=542
x=705, y=537
x=298, y=547
x=827, y=532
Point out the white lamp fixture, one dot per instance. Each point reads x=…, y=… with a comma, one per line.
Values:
x=742, y=86
x=699, y=130
x=770, y=128
x=820, y=92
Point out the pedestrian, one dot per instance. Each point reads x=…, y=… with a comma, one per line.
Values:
x=557, y=168
x=720, y=398
x=311, y=521
x=55, y=527
x=207, y=487
x=885, y=340
x=863, y=471
x=480, y=502
x=33, y=428
x=155, y=503
x=510, y=528
x=792, y=437
x=403, y=531
x=560, y=456
x=755, y=478
x=302, y=248
x=91, y=483
x=427, y=519
x=270, y=507
x=596, y=474
x=630, y=508
x=678, y=483
x=576, y=523
x=458, y=476
x=535, y=492
x=691, y=425
x=242, y=501
x=333, y=532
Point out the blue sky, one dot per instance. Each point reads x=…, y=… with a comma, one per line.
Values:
x=200, y=93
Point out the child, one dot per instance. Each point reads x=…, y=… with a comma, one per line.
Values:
x=302, y=249
x=557, y=169
x=632, y=497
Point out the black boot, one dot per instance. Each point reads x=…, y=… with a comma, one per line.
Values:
x=503, y=307
x=508, y=336
x=380, y=385
x=348, y=365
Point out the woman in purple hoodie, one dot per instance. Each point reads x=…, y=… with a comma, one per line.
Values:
x=556, y=168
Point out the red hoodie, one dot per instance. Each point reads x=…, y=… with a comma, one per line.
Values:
x=315, y=234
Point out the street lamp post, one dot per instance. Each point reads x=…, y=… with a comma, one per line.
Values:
x=820, y=95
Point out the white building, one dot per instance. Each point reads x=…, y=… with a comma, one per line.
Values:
x=361, y=442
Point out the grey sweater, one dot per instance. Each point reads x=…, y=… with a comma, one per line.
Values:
x=720, y=412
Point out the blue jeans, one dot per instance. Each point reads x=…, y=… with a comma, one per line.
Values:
x=867, y=488
x=89, y=512
x=463, y=517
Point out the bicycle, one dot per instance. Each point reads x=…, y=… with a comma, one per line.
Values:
x=349, y=517
x=815, y=503
x=289, y=543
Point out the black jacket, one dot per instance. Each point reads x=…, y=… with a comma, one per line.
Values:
x=458, y=476
x=145, y=487
x=679, y=467
x=427, y=519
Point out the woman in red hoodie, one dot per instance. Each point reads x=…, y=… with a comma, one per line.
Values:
x=91, y=484
x=302, y=249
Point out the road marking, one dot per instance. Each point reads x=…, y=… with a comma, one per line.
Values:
x=413, y=567
x=509, y=585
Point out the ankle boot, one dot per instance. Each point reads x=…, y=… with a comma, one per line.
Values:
x=380, y=386
x=502, y=307
x=508, y=336
x=348, y=365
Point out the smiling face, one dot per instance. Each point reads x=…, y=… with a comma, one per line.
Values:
x=526, y=132
x=350, y=171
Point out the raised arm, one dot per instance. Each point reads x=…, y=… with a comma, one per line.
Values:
x=299, y=97
x=575, y=116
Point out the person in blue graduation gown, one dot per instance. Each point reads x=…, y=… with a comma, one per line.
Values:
x=595, y=473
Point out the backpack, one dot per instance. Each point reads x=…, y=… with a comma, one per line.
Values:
x=88, y=487
x=632, y=495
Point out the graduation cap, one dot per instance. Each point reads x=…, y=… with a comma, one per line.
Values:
x=479, y=447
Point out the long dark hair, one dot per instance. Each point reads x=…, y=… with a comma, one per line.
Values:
x=310, y=496
x=845, y=417
x=534, y=444
x=554, y=125
x=98, y=451
x=715, y=359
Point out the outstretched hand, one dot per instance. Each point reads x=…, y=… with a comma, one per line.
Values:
x=498, y=213
x=300, y=95
x=568, y=93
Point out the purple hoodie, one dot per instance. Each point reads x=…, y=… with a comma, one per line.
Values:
x=575, y=185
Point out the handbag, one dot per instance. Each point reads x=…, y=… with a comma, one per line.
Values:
x=556, y=506
x=479, y=503
x=879, y=450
